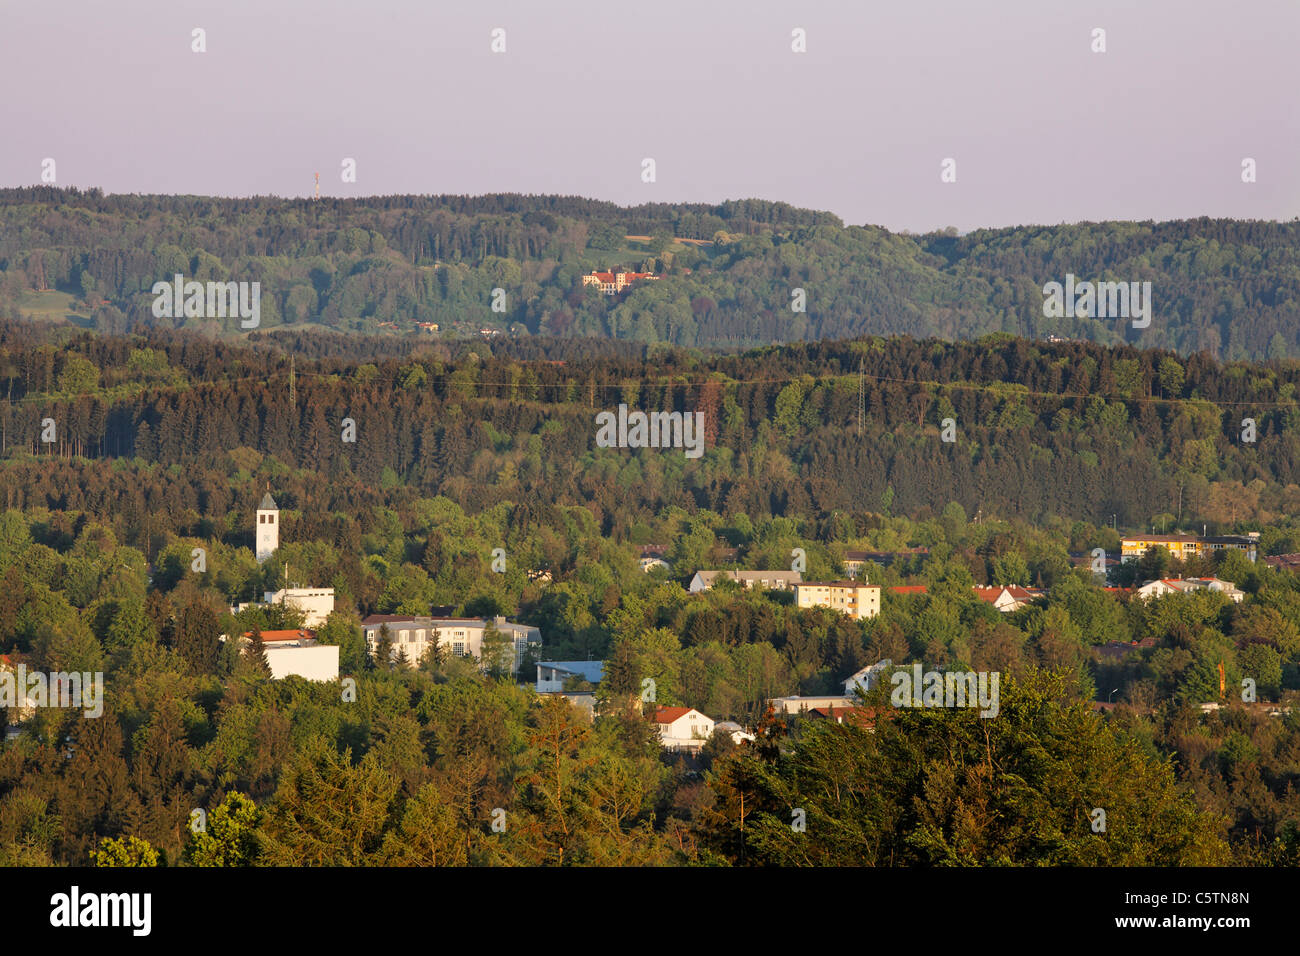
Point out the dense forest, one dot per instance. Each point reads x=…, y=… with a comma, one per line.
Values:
x=122, y=453
x=731, y=273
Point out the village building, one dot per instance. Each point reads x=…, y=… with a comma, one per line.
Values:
x=553, y=675
x=858, y=600
x=612, y=283
x=296, y=652
x=1184, y=546
x=460, y=637
x=775, y=580
x=682, y=728
x=1163, y=586
x=1009, y=598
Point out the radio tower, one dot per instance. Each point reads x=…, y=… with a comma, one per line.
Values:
x=318, y=187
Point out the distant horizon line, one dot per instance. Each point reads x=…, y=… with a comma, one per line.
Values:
x=309, y=199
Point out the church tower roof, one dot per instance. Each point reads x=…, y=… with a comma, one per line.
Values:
x=268, y=503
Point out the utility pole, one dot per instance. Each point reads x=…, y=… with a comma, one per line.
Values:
x=862, y=394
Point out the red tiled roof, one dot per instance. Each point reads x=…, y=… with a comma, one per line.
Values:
x=910, y=589
x=269, y=637
x=666, y=715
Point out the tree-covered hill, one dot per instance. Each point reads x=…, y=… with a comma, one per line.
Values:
x=1228, y=287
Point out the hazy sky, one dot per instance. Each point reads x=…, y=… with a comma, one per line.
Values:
x=1043, y=130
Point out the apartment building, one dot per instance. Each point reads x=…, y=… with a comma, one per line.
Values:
x=1184, y=546
x=857, y=600
x=461, y=637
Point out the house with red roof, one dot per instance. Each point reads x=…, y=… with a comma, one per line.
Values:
x=682, y=728
x=1007, y=599
x=612, y=283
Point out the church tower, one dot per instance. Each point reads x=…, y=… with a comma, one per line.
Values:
x=268, y=528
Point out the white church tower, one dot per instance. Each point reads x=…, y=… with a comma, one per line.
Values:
x=268, y=528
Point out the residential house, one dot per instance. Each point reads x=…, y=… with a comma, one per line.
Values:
x=1009, y=598
x=1284, y=562
x=1163, y=586
x=867, y=678
x=461, y=637
x=682, y=728
x=801, y=705
x=552, y=675
x=737, y=733
x=858, y=601
x=775, y=580
x=864, y=717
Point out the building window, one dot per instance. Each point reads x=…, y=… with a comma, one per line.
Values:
x=458, y=648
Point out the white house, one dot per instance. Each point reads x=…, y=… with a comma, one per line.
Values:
x=268, y=528
x=551, y=675
x=682, y=728
x=316, y=603
x=1163, y=586
x=1007, y=599
x=737, y=733
x=648, y=564
x=867, y=678
x=461, y=637
x=776, y=580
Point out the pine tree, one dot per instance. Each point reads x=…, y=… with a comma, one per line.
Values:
x=255, y=651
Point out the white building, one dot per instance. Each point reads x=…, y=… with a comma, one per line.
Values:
x=461, y=637
x=682, y=728
x=551, y=675
x=648, y=564
x=857, y=600
x=297, y=652
x=776, y=580
x=1009, y=598
x=1163, y=586
x=316, y=603
x=867, y=678
x=268, y=528
x=737, y=733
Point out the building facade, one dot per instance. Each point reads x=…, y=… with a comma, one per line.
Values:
x=682, y=728
x=268, y=528
x=316, y=603
x=776, y=580
x=612, y=283
x=858, y=601
x=1184, y=546
x=460, y=637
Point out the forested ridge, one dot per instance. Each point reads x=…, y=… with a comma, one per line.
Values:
x=1228, y=287
x=164, y=441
